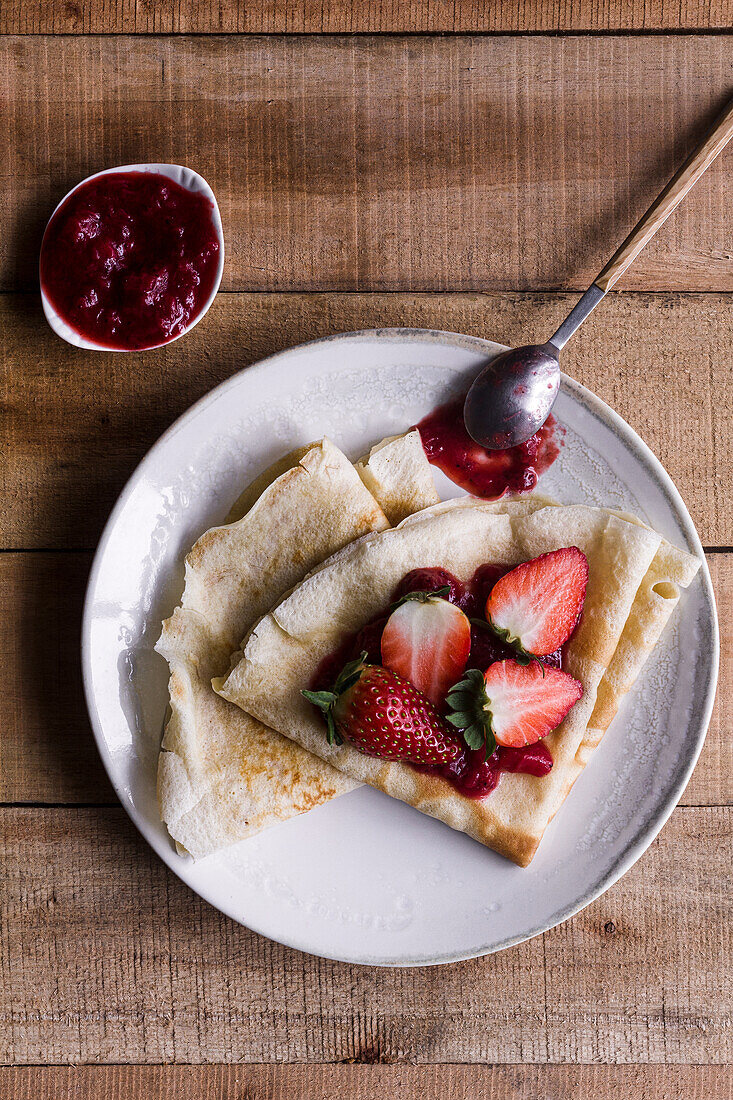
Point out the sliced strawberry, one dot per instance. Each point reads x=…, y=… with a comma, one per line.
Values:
x=384, y=715
x=527, y=701
x=511, y=704
x=536, y=606
x=427, y=641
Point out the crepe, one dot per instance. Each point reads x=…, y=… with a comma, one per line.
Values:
x=656, y=598
x=222, y=775
x=397, y=473
x=632, y=588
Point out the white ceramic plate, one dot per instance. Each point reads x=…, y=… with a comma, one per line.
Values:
x=365, y=878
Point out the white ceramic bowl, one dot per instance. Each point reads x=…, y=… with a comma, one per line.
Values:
x=187, y=178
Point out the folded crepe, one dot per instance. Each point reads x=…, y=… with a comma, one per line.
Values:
x=633, y=586
x=398, y=474
x=222, y=775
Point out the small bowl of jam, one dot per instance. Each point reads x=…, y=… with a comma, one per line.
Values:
x=132, y=258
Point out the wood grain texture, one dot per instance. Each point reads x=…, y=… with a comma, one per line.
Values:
x=358, y=16
x=47, y=752
x=363, y=1082
x=392, y=163
x=107, y=957
x=667, y=202
x=75, y=424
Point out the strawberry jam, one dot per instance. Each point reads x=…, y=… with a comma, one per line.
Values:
x=479, y=471
x=474, y=776
x=430, y=580
x=471, y=774
x=130, y=259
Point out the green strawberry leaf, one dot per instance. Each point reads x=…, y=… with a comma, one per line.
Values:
x=421, y=597
x=474, y=736
x=350, y=673
x=332, y=734
x=326, y=700
x=472, y=680
x=468, y=711
x=460, y=700
x=322, y=699
x=460, y=720
x=521, y=655
x=490, y=744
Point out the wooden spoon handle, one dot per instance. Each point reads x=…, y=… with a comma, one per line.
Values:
x=685, y=178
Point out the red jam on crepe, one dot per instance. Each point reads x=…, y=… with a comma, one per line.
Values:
x=443, y=640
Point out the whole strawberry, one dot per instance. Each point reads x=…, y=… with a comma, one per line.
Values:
x=385, y=716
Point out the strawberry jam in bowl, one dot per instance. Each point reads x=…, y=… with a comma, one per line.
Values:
x=132, y=258
x=461, y=679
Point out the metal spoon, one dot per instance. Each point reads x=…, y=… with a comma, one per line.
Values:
x=512, y=397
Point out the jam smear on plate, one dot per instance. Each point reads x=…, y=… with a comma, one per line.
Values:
x=130, y=259
x=485, y=473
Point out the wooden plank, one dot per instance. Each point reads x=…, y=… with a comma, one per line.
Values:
x=641, y=930
x=366, y=1082
x=359, y=16
x=107, y=957
x=712, y=780
x=386, y=163
x=47, y=751
x=75, y=424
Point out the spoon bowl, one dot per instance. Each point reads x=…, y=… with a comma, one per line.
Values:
x=513, y=396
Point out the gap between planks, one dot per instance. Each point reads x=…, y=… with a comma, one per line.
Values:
x=48, y=752
x=105, y=955
x=95, y=416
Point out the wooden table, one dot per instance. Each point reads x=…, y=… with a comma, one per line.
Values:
x=471, y=180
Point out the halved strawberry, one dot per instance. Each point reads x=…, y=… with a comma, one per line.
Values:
x=536, y=607
x=511, y=704
x=427, y=641
x=384, y=715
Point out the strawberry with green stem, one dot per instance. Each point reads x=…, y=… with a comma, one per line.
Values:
x=386, y=716
x=511, y=704
x=536, y=606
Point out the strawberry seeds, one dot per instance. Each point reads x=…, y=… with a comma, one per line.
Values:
x=446, y=681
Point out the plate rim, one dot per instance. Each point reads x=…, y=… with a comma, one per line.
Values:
x=640, y=842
